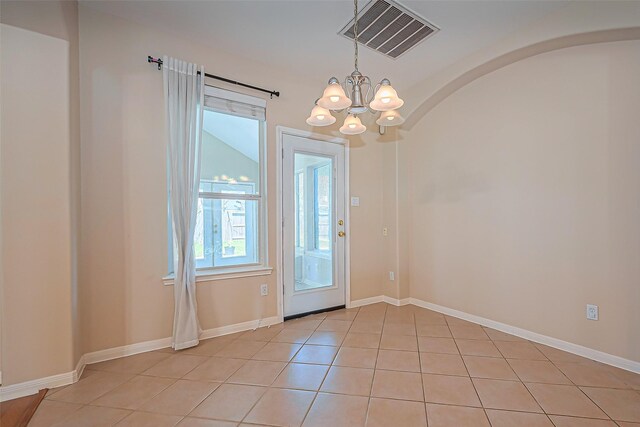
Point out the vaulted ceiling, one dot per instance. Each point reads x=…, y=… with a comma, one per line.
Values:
x=302, y=36
x=300, y=40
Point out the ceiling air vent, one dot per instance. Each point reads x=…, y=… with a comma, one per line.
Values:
x=389, y=28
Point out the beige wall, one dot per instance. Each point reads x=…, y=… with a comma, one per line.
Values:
x=389, y=218
x=515, y=199
x=525, y=197
x=59, y=20
x=124, y=241
x=37, y=336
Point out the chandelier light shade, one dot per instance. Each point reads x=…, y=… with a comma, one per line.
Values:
x=320, y=117
x=386, y=98
x=390, y=118
x=352, y=125
x=333, y=97
x=354, y=95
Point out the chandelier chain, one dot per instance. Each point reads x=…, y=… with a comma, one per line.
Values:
x=355, y=31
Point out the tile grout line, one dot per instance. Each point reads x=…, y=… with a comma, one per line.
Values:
x=326, y=373
x=577, y=386
x=225, y=381
x=547, y=359
x=373, y=378
x=554, y=365
x=352, y=320
x=280, y=373
x=484, y=410
x=523, y=383
x=424, y=396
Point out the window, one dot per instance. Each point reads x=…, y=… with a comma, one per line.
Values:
x=230, y=230
x=226, y=225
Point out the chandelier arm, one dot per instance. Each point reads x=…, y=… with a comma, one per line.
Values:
x=376, y=88
x=367, y=81
x=345, y=82
x=347, y=91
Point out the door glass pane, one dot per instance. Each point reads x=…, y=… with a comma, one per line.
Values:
x=322, y=203
x=313, y=213
x=300, y=207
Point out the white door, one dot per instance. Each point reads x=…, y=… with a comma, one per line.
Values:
x=314, y=226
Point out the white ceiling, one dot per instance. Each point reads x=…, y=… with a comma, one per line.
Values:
x=301, y=36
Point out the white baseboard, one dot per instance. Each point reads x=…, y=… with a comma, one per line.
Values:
x=126, y=350
x=77, y=373
x=27, y=388
x=365, y=301
x=239, y=327
x=589, y=353
x=379, y=298
x=395, y=301
x=31, y=387
x=143, y=347
x=597, y=355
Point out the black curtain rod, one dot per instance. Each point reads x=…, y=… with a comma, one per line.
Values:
x=272, y=93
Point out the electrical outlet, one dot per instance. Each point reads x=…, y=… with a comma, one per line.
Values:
x=264, y=290
x=592, y=312
x=385, y=231
x=392, y=276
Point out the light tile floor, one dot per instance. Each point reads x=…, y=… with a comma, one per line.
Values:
x=379, y=365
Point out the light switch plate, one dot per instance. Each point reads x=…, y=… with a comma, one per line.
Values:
x=355, y=201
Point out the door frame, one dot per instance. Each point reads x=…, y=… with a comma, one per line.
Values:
x=281, y=131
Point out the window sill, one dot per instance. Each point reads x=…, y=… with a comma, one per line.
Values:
x=224, y=274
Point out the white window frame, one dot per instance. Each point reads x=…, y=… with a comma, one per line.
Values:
x=221, y=195
x=261, y=267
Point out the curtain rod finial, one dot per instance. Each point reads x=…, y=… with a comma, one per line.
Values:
x=158, y=61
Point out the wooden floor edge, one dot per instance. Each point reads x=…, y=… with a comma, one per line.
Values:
x=18, y=412
x=34, y=406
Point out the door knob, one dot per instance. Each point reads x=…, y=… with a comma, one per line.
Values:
x=341, y=233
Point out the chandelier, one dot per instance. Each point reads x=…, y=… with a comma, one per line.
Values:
x=353, y=95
